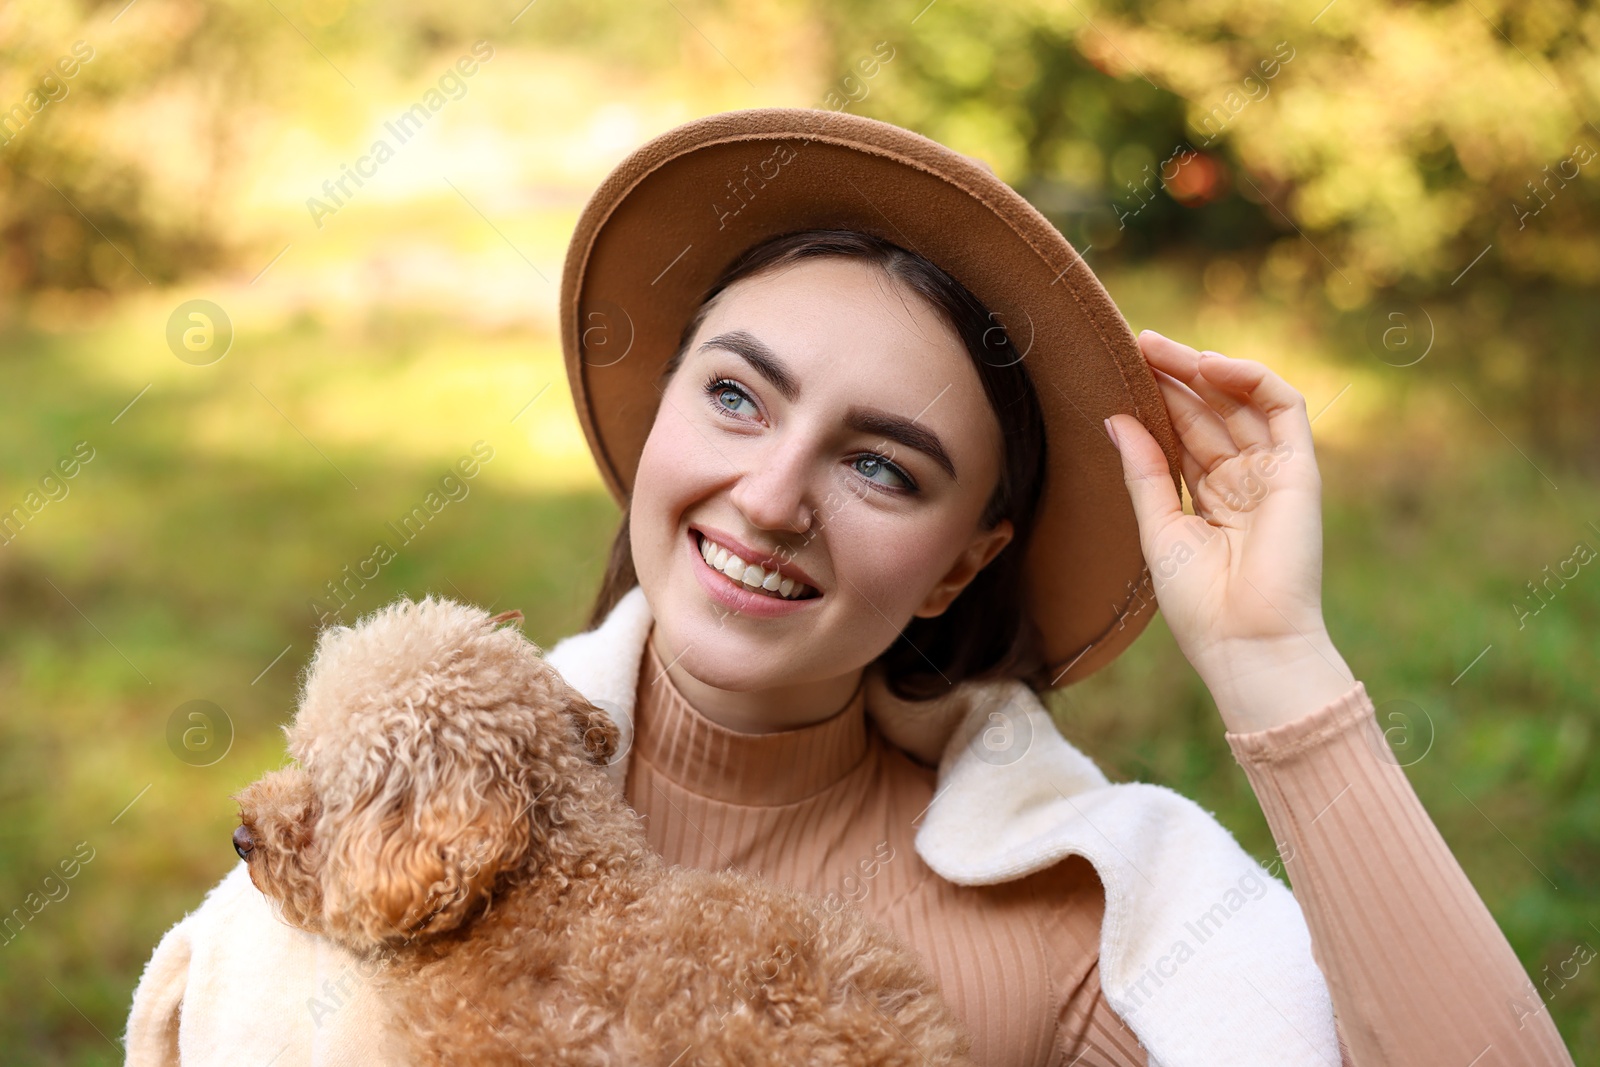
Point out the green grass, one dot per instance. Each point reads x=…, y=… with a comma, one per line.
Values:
x=185, y=556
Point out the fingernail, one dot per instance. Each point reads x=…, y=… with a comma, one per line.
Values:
x=1162, y=336
x=1111, y=432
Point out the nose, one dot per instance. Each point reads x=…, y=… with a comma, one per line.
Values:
x=243, y=843
x=772, y=493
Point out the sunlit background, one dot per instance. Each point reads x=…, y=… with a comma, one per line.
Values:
x=1392, y=205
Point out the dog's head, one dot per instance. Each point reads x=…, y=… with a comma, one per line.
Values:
x=434, y=745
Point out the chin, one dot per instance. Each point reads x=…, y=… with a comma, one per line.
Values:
x=719, y=656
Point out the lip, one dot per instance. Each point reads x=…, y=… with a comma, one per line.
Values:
x=748, y=554
x=732, y=595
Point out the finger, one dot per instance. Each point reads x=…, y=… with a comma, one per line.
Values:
x=1200, y=430
x=1247, y=425
x=1173, y=357
x=1282, y=406
x=1144, y=471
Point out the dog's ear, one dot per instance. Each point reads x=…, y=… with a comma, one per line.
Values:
x=410, y=863
x=598, y=733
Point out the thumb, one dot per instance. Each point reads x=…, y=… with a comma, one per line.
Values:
x=1145, y=472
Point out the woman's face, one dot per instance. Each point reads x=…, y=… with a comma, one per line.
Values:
x=819, y=449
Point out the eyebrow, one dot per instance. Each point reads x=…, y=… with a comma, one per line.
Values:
x=750, y=348
x=865, y=420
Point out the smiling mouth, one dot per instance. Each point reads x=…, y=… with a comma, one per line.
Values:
x=749, y=576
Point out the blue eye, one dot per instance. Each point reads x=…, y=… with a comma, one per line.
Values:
x=719, y=388
x=878, y=465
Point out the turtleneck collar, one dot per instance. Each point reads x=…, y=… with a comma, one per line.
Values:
x=709, y=759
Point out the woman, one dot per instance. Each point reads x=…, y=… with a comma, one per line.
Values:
x=870, y=514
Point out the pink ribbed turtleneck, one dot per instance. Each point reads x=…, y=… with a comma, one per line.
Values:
x=833, y=808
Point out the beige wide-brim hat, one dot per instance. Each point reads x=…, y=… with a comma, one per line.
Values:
x=674, y=213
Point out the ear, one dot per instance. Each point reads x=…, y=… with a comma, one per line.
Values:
x=408, y=863
x=985, y=546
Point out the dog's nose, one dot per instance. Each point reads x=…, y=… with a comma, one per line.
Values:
x=243, y=843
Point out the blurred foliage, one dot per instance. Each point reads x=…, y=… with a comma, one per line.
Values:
x=1402, y=139
x=1367, y=199
x=1366, y=156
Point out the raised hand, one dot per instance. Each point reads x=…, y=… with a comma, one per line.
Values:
x=1239, y=581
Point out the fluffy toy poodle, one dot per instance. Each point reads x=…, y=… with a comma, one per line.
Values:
x=451, y=823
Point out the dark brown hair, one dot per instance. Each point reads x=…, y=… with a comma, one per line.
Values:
x=986, y=631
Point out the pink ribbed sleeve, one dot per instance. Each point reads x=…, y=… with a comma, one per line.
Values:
x=1418, y=969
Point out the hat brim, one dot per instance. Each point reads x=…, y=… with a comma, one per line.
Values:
x=673, y=214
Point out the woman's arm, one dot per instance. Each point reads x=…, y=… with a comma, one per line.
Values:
x=1417, y=968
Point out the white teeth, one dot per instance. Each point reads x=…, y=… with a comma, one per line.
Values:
x=749, y=574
